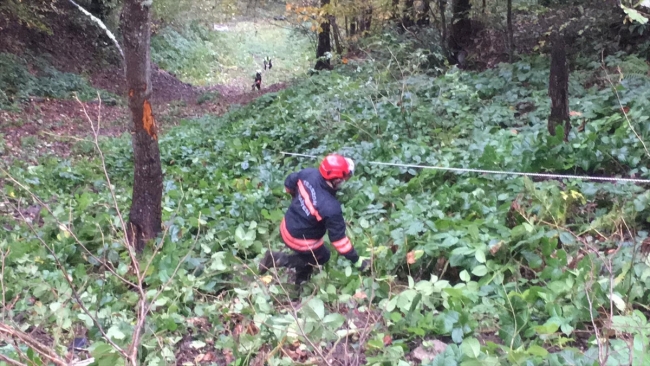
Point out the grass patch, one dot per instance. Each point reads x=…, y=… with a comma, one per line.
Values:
x=202, y=56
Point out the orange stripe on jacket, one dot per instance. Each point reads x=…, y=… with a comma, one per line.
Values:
x=310, y=206
x=302, y=245
x=343, y=246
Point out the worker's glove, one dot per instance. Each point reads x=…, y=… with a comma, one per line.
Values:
x=363, y=264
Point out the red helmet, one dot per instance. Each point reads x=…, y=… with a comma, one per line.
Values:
x=335, y=166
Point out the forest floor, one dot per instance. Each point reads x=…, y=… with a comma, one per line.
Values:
x=60, y=127
x=54, y=126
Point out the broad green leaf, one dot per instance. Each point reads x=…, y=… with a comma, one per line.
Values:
x=318, y=307
x=471, y=347
x=115, y=333
x=464, y=276
x=364, y=223
x=537, y=350
x=86, y=319
x=618, y=301
x=334, y=320
x=634, y=14
x=480, y=256
x=480, y=271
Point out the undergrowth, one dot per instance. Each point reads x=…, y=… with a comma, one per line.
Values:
x=505, y=269
x=22, y=78
x=203, y=56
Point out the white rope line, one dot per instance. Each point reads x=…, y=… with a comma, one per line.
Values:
x=484, y=171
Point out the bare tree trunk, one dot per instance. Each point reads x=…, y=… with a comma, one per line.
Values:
x=394, y=9
x=423, y=14
x=353, y=26
x=461, y=26
x=146, y=211
x=485, y=6
x=367, y=18
x=511, y=39
x=336, y=33
x=324, y=45
x=558, y=86
x=407, y=15
x=442, y=7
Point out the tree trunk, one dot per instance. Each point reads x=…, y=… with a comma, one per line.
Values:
x=461, y=26
x=407, y=16
x=394, y=10
x=485, y=6
x=367, y=18
x=442, y=7
x=324, y=45
x=558, y=86
x=423, y=14
x=336, y=34
x=511, y=39
x=145, y=215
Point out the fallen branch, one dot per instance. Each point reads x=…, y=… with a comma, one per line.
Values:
x=7, y=332
x=10, y=361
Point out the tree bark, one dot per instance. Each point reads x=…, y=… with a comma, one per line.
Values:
x=558, y=86
x=353, y=27
x=336, y=34
x=407, y=16
x=324, y=45
x=423, y=14
x=394, y=10
x=367, y=18
x=442, y=7
x=511, y=39
x=461, y=26
x=146, y=211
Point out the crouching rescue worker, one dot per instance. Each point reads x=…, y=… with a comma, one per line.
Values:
x=314, y=210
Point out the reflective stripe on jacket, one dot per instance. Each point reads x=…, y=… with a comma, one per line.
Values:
x=314, y=210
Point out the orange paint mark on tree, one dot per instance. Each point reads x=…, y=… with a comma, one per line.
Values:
x=148, y=121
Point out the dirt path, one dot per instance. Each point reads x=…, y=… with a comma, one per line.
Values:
x=56, y=126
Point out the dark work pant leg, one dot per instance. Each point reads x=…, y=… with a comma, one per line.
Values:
x=308, y=260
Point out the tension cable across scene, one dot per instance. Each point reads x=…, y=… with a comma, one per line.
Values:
x=495, y=172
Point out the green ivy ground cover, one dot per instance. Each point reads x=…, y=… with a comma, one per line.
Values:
x=506, y=270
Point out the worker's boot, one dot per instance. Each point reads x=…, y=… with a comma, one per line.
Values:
x=271, y=257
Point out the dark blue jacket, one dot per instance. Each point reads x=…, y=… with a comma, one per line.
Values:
x=314, y=210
